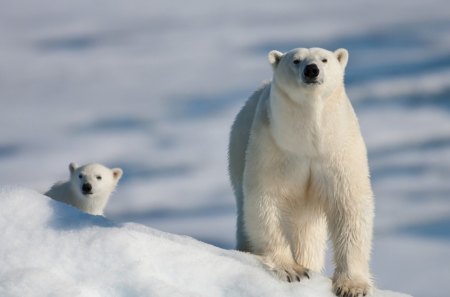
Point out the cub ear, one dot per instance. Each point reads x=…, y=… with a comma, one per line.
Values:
x=72, y=167
x=342, y=56
x=117, y=173
x=274, y=57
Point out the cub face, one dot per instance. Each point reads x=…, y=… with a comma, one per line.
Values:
x=93, y=180
x=304, y=72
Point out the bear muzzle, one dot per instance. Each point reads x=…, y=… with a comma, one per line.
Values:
x=86, y=188
x=311, y=74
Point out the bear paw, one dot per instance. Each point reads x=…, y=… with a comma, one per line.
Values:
x=351, y=287
x=293, y=274
x=287, y=272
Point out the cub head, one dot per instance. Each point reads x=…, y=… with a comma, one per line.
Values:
x=304, y=72
x=94, y=180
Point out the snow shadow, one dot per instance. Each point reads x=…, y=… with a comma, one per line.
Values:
x=440, y=100
x=389, y=70
x=389, y=171
x=223, y=244
x=178, y=214
x=114, y=124
x=8, y=150
x=134, y=171
x=206, y=105
x=68, y=43
x=400, y=38
x=66, y=217
x=372, y=54
x=435, y=229
x=427, y=145
x=417, y=195
x=118, y=35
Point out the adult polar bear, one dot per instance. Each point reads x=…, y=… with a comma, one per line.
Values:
x=298, y=164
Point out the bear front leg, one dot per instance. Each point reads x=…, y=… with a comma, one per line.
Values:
x=267, y=235
x=350, y=224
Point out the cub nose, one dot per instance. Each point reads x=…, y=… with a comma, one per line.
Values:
x=311, y=71
x=87, y=187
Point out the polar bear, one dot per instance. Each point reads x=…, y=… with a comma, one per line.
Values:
x=298, y=164
x=88, y=188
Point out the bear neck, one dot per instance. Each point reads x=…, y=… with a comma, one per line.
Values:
x=298, y=125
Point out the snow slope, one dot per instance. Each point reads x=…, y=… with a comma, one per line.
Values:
x=51, y=249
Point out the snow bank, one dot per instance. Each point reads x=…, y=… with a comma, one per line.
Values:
x=50, y=249
x=153, y=89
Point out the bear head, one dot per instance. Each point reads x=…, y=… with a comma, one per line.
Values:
x=94, y=180
x=302, y=73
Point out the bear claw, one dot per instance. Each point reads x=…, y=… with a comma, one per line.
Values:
x=292, y=274
x=348, y=287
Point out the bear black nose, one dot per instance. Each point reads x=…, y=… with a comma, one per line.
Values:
x=311, y=71
x=86, y=188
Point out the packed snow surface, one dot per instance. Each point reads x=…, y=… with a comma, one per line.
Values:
x=52, y=249
x=152, y=86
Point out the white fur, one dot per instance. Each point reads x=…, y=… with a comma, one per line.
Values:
x=102, y=179
x=298, y=164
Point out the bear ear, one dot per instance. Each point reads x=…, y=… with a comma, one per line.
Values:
x=342, y=56
x=274, y=57
x=117, y=173
x=72, y=167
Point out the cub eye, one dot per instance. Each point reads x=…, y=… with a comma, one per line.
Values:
x=80, y=176
x=99, y=177
x=324, y=60
x=297, y=61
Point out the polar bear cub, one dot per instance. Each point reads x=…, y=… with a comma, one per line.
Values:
x=298, y=166
x=88, y=188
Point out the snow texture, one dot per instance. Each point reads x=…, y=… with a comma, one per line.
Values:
x=52, y=249
x=152, y=86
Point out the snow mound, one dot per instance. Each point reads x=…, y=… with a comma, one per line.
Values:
x=51, y=249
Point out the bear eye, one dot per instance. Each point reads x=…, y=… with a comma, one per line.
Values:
x=296, y=61
x=99, y=177
x=80, y=176
x=324, y=60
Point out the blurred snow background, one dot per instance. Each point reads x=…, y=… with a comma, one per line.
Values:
x=153, y=87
